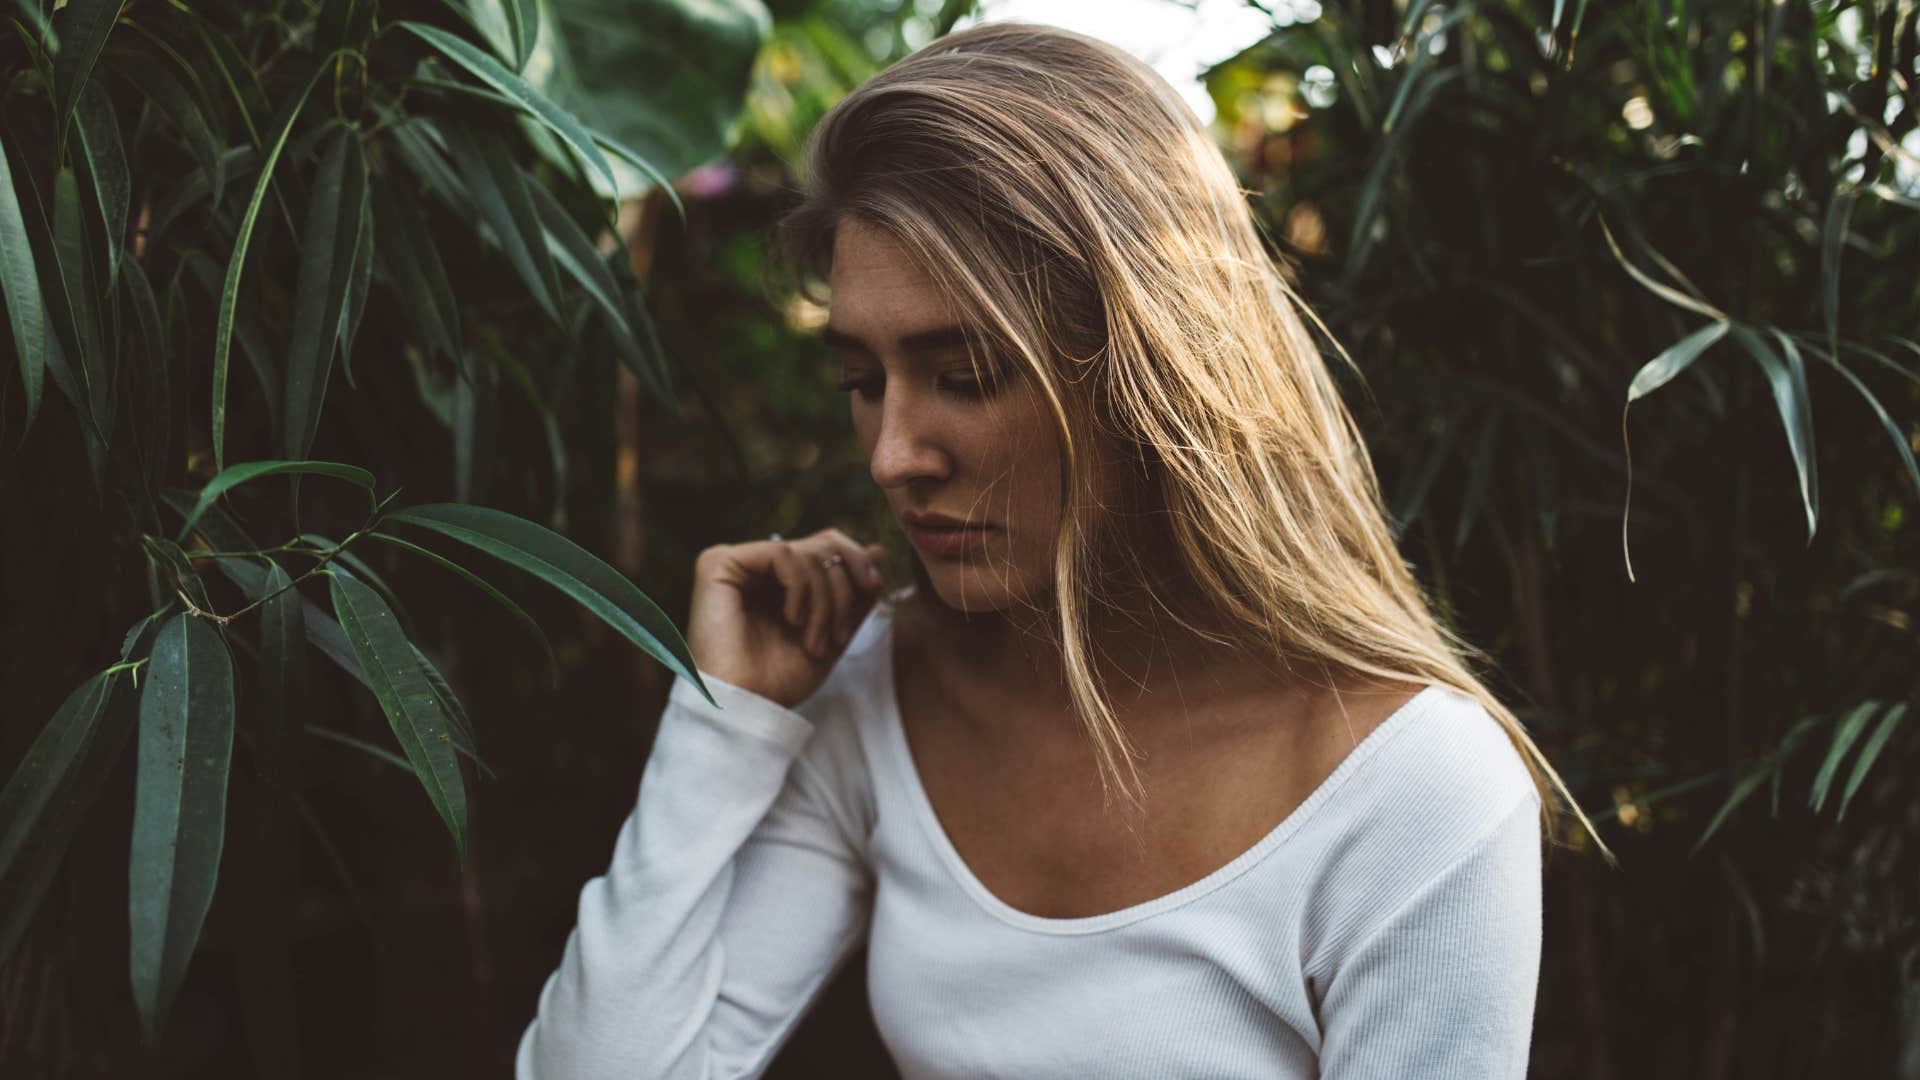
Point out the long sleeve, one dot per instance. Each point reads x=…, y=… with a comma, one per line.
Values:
x=1445, y=985
x=738, y=885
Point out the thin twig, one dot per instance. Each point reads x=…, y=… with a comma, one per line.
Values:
x=324, y=558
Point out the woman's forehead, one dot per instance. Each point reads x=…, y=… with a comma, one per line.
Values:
x=880, y=295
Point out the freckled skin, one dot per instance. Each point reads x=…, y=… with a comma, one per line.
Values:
x=991, y=460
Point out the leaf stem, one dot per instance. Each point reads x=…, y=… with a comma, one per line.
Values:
x=324, y=557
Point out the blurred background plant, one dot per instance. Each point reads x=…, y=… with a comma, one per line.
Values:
x=1518, y=217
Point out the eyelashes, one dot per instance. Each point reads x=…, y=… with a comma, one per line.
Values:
x=966, y=389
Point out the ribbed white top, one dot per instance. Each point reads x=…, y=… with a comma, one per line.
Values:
x=1389, y=927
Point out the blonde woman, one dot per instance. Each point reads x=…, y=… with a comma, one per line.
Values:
x=1160, y=766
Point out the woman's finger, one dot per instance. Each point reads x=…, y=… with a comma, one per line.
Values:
x=862, y=573
x=840, y=584
x=786, y=570
x=817, y=602
x=863, y=560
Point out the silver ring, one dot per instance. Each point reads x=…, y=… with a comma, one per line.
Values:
x=832, y=561
x=775, y=536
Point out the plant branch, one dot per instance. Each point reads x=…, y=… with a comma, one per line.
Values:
x=325, y=557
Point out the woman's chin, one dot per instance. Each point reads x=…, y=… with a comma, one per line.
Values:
x=973, y=588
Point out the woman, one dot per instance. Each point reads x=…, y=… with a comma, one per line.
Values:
x=1150, y=553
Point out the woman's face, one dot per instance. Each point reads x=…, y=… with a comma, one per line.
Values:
x=938, y=442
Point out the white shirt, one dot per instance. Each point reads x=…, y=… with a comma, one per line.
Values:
x=1388, y=927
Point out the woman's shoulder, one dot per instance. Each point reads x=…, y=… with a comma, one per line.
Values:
x=1437, y=775
x=1443, y=788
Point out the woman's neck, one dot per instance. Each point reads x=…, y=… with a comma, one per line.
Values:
x=1009, y=665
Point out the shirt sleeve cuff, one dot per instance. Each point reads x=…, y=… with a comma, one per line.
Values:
x=738, y=709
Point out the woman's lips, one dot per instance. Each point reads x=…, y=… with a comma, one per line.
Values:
x=947, y=543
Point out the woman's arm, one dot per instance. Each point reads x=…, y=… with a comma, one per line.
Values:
x=737, y=887
x=1444, y=986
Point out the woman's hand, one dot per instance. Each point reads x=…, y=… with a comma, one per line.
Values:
x=773, y=616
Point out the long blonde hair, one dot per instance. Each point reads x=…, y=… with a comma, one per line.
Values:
x=1081, y=218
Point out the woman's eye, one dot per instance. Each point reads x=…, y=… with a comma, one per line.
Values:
x=967, y=389
x=868, y=388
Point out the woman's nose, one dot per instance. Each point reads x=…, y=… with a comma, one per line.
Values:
x=907, y=448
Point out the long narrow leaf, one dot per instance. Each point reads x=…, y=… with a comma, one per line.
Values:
x=79, y=299
x=1673, y=360
x=41, y=26
x=326, y=274
x=406, y=696
x=22, y=890
x=20, y=289
x=1899, y=437
x=106, y=170
x=228, y=479
x=414, y=265
x=478, y=582
x=230, y=291
x=421, y=145
x=180, y=809
x=574, y=252
x=634, y=158
x=1388, y=157
x=1652, y=375
x=1761, y=771
x=245, y=91
x=241, y=82
x=655, y=374
x=385, y=754
x=523, y=23
x=283, y=684
x=1843, y=739
x=151, y=358
x=239, y=163
x=264, y=961
x=1741, y=791
x=82, y=26
x=357, y=281
x=361, y=745
x=160, y=83
x=1664, y=292
x=1870, y=753
x=499, y=191
x=266, y=361
x=1787, y=378
x=1417, y=61
x=531, y=101
x=77, y=294
x=58, y=748
x=363, y=571
x=568, y=567
x=459, y=725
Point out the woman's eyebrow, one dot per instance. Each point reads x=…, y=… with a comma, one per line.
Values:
x=943, y=337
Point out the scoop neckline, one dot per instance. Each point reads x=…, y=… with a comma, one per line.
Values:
x=902, y=754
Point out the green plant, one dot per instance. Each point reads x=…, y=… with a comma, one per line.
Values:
x=183, y=186
x=1522, y=218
